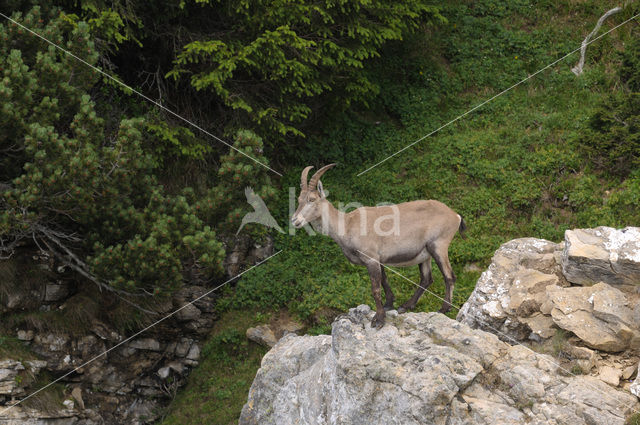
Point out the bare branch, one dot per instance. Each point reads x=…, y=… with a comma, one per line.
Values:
x=583, y=49
x=75, y=263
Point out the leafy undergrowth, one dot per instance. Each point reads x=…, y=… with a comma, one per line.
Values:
x=12, y=348
x=513, y=168
x=218, y=387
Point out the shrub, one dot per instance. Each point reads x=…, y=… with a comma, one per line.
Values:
x=613, y=143
x=79, y=188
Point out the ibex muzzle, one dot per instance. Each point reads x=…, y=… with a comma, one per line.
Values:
x=406, y=234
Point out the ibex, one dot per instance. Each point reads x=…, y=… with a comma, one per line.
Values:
x=405, y=234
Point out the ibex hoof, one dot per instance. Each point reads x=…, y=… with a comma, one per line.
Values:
x=388, y=307
x=405, y=308
x=378, y=321
x=444, y=309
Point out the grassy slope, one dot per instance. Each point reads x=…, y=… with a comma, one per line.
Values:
x=512, y=168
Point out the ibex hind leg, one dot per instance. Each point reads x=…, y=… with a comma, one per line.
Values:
x=442, y=260
x=376, y=277
x=426, y=279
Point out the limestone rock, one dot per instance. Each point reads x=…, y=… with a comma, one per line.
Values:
x=76, y=393
x=602, y=254
x=635, y=386
x=524, y=294
x=182, y=347
x=610, y=375
x=628, y=372
x=150, y=344
x=599, y=315
x=9, y=370
x=262, y=335
x=188, y=312
x=25, y=335
x=509, y=295
x=56, y=292
x=421, y=368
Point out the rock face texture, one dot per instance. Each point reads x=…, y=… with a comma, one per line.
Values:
x=132, y=383
x=127, y=386
x=534, y=287
x=602, y=254
x=421, y=368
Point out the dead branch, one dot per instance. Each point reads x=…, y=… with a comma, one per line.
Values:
x=72, y=261
x=583, y=48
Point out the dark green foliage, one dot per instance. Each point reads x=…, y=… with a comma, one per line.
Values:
x=88, y=195
x=237, y=170
x=270, y=61
x=614, y=142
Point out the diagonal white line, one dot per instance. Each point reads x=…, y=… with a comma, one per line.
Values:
x=483, y=322
x=139, y=332
x=145, y=97
x=495, y=96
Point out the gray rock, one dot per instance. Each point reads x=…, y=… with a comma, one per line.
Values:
x=599, y=315
x=56, y=292
x=52, y=342
x=76, y=393
x=9, y=370
x=420, y=368
x=188, y=312
x=150, y=344
x=194, y=352
x=602, y=254
x=628, y=372
x=610, y=375
x=25, y=335
x=635, y=386
x=164, y=372
x=20, y=415
x=35, y=366
x=524, y=294
x=509, y=295
x=182, y=347
x=262, y=335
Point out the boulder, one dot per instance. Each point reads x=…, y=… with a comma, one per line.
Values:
x=602, y=254
x=509, y=295
x=9, y=383
x=188, y=312
x=635, y=386
x=524, y=294
x=55, y=292
x=421, y=368
x=262, y=335
x=610, y=375
x=149, y=344
x=599, y=315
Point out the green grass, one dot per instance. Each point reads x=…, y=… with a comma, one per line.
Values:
x=633, y=419
x=11, y=347
x=513, y=168
x=218, y=387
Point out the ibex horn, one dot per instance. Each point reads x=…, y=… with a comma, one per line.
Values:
x=316, y=177
x=303, y=178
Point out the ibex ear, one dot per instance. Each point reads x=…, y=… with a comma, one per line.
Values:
x=321, y=190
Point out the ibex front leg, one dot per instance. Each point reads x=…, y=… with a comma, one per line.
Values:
x=375, y=273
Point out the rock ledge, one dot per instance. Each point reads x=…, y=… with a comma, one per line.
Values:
x=421, y=368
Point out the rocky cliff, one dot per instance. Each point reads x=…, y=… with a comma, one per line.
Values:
x=129, y=384
x=550, y=335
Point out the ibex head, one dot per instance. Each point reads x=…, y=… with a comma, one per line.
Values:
x=310, y=199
